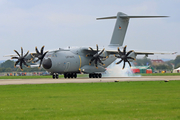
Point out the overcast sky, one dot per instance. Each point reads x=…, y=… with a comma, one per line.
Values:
x=60, y=23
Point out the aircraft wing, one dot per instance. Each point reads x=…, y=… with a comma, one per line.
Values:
x=137, y=52
x=142, y=53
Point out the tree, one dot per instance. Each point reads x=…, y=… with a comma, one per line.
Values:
x=143, y=62
x=177, y=60
x=163, y=67
x=7, y=64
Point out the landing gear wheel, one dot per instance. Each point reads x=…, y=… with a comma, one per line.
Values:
x=90, y=75
x=74, y=75
x=57, y=76
x=53, y=76
x=69, y=75
x=95, y=75
x=99, y=75
x=65, y=75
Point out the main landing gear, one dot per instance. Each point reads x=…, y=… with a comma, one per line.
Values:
x=74, y=75
x=70, y=75
x=95, y=75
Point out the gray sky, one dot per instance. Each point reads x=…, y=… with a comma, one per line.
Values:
x=59, y=23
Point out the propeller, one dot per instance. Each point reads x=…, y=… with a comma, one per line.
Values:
x=20, y=59
x=124, y=56
x=96, y=57
x=40, y=55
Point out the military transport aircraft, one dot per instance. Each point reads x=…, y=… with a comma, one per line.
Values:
x=92, y=61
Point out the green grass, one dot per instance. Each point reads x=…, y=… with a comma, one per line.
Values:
x=36, y=77
x=160, y=74
x=150, y=100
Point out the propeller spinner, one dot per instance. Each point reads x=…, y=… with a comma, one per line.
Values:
x=124, y=56
x=21, y=59
x=96, y=57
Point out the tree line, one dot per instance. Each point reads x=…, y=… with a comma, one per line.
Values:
x=168, y=65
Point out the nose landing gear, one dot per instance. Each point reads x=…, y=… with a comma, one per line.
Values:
x=55, y=75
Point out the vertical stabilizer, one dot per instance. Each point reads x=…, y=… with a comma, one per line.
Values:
x=119, y=30
x=121, y=25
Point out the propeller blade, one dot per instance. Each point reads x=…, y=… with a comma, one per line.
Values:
x=21, y=65
x=120, y=53
x=97, y=47
x=14, y=58
x=25, y=63
x=124, y=50
x=119, y=62
x=21, y=51
x=129, y=63
x=130, y=58
x=117, y=56
x=101, y=52
x=16, y=63
x=100, y=61
x=129, y=52
x=40, y=64
x=95, y=62
x=37, y=51
x=91, y=49
x=36, y=61
x=91, y=60
x=26, y=54
x=45, y=53
x=42, y=49
x=17, y=53
x=124, y=65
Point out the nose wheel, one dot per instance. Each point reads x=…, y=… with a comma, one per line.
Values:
x=55, y=76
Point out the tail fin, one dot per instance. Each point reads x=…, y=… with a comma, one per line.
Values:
x=121, y=25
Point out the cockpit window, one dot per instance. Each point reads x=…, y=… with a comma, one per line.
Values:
x=51, y=55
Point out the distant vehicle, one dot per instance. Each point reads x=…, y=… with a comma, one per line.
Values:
x=87, y=60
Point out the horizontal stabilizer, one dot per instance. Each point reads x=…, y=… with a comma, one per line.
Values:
x=125, y=16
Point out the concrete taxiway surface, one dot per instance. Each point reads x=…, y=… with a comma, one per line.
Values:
x=87, y=80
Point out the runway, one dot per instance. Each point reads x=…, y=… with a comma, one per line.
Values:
x=86, y=80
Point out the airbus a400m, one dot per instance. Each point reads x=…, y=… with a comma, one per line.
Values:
x=87, y=60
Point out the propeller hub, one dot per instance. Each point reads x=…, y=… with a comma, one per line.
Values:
x=20, y=58
x=123, y=57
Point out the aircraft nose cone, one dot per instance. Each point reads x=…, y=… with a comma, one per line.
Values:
x=47, y=63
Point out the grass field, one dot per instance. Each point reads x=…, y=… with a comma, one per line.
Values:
x=152, y=100
x=36, y=77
